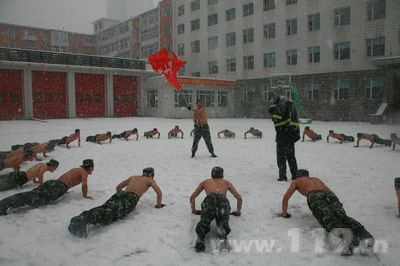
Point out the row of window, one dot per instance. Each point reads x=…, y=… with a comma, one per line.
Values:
x=341, y=51
x=376, y=9
x=116, y=46
x=185, y=98
x=373, y=90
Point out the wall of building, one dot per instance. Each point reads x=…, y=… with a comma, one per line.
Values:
x=11, y=94
x=166, y=96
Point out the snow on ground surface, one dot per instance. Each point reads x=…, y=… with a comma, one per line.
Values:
x=362, y=179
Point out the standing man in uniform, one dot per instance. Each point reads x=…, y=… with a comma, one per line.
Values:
x=286, y=122
x=201, y=128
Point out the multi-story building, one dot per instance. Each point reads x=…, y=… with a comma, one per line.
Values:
x=137, y=37
x=341, y=56
x=25, y=37
x=122, y=10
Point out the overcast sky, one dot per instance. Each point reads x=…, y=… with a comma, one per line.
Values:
x=69, y=15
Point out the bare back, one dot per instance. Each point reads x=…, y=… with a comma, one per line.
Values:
x=73, y=137
x=74, y=177
x=139, y=184
x=306, y=185
x=216, y=185
x=36, y=171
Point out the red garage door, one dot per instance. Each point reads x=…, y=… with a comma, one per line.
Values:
x=11, y=96
x=125, y=96
x=49, y=90
x=89, y=89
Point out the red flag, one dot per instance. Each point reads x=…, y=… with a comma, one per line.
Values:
x=168, y=65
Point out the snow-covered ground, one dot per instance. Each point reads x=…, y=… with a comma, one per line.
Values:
x=362, y=179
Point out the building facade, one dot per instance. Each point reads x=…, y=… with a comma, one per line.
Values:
x=327, y=50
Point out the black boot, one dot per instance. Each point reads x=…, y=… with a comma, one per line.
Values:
x=193, y=154
x=213, y=155
x=77, y=226
x=200, y=245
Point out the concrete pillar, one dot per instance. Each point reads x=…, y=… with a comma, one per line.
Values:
x=109, y=92
x=28, y=99
x=71, y=95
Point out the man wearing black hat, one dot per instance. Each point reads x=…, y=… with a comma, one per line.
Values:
x=215, y=206
x=173, y=133
x=286, y=122
x=255, y=132
x=99, y=137
x=151, y=133
x=328, y=211
x=51, y=190
x=119, y=205
x=126, y=134
x=35, y=174
x=201, y=128
x=16, y=160
x=397, y=188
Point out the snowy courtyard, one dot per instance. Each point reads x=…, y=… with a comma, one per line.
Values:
x=362, y=178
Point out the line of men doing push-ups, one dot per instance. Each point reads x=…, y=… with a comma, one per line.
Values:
x=323, y=203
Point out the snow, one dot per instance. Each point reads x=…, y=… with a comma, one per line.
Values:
x=361, y=177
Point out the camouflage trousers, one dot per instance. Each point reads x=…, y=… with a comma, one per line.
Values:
x=117, y=207
x=199, y=132
x=119, y=136
x=377, y=139
x=2, y=158
x=347, y=138
x=329, y=212
x=214, y=206
x=44, y=194
x=12, y=180
x=92, y=138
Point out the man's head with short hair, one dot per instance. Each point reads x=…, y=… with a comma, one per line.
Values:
x=217, y=172
x=252, y=128
x=279, y=91
x=360, y=135
x=52, y=165
x=331, y=131
x=29, y=154
x=77, y=131
x=176, y=127
x=199, y=103
x=307, y=128
x=88, y=165
x=50, y=146
x=154, y=129
x=134, y=130
x=301, y=173
x=108, y=133
x=148, y=171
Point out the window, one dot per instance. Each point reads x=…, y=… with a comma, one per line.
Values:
x=207, y=97
x=222, y=99
x=183, y=98
x=195, y=74
x=249, y=95
x=230, y=39
x=291, y=26
x=248, y=9
x=195, y=5
x=269, y=4
x=195, y=24
x=374, y=88
x=376, y=9
x=181, y=28
x=152, y=99
x=195, y=46
x=341, y=89
x=342, y=16
x=313, y=54
x=231, y=64
x=167, y=12
x=248, y=62
x=213, y=43
x=291, y=57
x=167, y=29
x=270, y=59
x=213, y=67
x=248, y=35
x=181, y=10
x=212, y=20
x=313, y=90
x=181, y=49
x=342, y=51
x=376, y=46
x=230, y=14
x=313, y=22
x=212, y=2
x=291, y=2
x=269, y=31
x=269, y=94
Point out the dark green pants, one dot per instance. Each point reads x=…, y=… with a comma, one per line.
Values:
x=44, y=194
x=329, y=212
x=119, y=136
x=285, y=151
x=117, y=207
x=347, y=138
x=380, y=141
x=2, y=157
x=12, y=180
x=214, y=206
x=199, y=132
